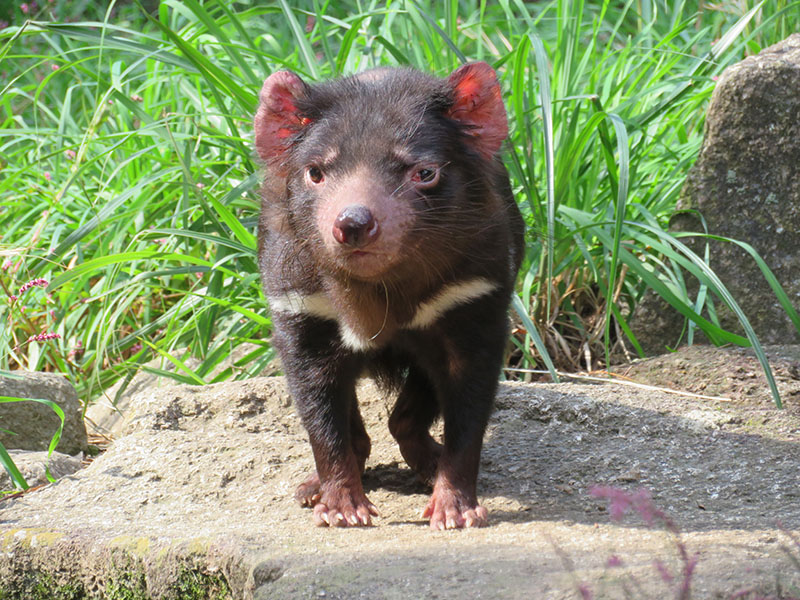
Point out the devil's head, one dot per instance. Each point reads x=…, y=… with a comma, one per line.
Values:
x=383, y=171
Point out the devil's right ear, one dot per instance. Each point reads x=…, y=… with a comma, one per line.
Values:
x=278, y=118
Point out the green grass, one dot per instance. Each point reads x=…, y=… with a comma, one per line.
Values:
x=128, y=179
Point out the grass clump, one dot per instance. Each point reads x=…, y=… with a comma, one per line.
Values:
x=128, y=182
x=195, y=585
x=43, y=586
x=126, y=582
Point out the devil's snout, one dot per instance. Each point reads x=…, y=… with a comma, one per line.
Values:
x=355, y=226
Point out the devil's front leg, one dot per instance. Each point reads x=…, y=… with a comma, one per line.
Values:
x=321, y=378
x=471, y=346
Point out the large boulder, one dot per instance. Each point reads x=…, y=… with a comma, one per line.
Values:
x=746, y=185
x=33, y=424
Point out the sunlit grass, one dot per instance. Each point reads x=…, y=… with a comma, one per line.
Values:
x=128, y=179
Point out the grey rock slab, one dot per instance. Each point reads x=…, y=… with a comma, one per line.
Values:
x=33, y=466
x=746, y=185
x=32, y=423
x=201, y=482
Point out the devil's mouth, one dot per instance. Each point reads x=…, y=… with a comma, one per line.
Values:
x=364, y=263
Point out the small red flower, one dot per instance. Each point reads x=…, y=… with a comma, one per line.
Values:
x=614, y=561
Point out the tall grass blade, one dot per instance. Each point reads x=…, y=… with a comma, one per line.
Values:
x=522, y=313
x=619, y=216
x=543, y=76
x=13, y=472
x=303, y=45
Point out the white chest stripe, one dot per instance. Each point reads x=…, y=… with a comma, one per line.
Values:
x=450, y=297
x=318, y=305
x=350, y=339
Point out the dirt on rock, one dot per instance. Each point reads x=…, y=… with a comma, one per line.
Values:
x=201, y=482
x=730, y=372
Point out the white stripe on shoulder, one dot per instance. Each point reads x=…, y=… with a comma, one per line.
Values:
x=295, y=303
x=449, y=297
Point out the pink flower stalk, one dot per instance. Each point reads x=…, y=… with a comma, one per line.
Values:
x=621, y=502
x=33, y=283
x=7, y=264
x=55, y=67
x=70, y=154
x=77, y=351
x=24, y=8
x=41, y=337
x=688, y=571
x=48, y=176
x=666, y=576
x=639, y=501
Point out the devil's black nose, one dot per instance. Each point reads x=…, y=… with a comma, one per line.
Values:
x=355, y=226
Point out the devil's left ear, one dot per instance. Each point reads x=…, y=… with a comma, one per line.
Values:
x=478, y=104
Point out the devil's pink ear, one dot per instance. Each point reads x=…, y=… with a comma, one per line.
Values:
x=478, y=104
x=278, y=118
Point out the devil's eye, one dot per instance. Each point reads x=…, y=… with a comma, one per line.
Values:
x=315, y=174
x=426, y=177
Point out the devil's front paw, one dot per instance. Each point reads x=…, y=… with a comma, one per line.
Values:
x=449, y=508
x=308, y=492
x=341, y=505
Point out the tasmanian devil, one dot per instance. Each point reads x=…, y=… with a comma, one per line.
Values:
x=389, y=243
